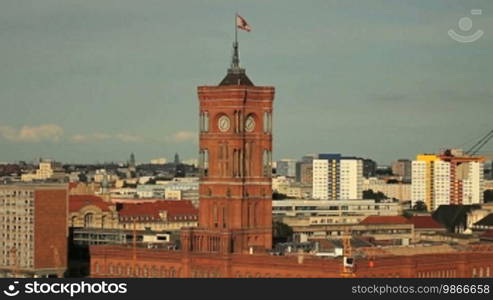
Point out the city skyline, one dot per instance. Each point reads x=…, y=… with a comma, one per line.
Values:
x=85, y=82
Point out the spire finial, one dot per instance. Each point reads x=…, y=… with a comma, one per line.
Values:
x=235, y=61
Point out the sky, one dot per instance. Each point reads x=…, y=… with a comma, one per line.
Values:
x=92, y=81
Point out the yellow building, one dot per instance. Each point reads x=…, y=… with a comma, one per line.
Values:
x=422, y=179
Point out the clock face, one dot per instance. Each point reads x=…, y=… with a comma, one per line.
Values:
x=223, y=123
x=250, y=124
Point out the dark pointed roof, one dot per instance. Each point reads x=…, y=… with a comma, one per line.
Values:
x=236, y=76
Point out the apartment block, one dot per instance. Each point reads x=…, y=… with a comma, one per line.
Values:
x=446, y=179
x=337, y=177
x=33, y=227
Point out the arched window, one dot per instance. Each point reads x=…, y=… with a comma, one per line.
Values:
x=204, y=121
x=267, y=122
x=267, y=158
x=223, y=159
x=255, y=214
x=88, y=220
x=237, y=121
x=214, y=215
x=225, y=223
x=154, y=272
x=204, y=162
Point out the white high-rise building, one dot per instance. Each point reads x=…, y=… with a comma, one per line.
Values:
x=336, y=177
x=441, y=183
x=447, y=179
x=472, y=183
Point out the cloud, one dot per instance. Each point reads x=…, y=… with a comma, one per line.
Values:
x=127, y=138
x=98, y=137
x=183, y=136
x=81, y=138
x=34, y=134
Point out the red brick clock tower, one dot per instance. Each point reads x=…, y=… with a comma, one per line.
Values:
x=235, y=213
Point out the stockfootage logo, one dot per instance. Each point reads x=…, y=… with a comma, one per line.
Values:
x=11, y=290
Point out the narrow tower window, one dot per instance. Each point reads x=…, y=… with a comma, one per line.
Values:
x=204, y=162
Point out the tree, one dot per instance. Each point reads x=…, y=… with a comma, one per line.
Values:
x=488, y=196
x=281, y=232
x=378, y=196
x=419, y=206
x=279, y=196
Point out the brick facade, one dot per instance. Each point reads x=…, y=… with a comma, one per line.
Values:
x=115, y=261
x=50, y=229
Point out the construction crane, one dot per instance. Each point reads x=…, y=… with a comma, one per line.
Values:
x=347, y=258
x=479, y=144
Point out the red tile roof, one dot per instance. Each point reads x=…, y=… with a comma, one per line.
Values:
x=424, y=222
x=179, y=210
x=487, y=234
x=384, y=220
x=76, y=202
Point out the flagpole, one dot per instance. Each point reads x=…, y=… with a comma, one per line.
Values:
x=236, y=60
x=236, y=28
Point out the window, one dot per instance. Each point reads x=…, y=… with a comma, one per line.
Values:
x=267, y=158
x=204, y=162
x=214, y=215
x=204, y=121
x=88, y=220
x=267, y=122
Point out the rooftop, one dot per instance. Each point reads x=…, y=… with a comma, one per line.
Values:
x=174, y=210
x=76, y=202
x=421, y=222
x=236, y=76
x=374, y=220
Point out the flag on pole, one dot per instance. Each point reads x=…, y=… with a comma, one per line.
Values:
x=242, y=23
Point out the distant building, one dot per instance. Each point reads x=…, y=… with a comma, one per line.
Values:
x=304, y=170
x=402, y=168
x=172, y=194
x=337, y=177
x=89, y=211
x=397, y=190
x=286, y=167
x=191, y=162
x=159, y=161
x=46, y=170
x=369, y=168
x=131, y=162
x=33, y=226
x=288, y=186
x=447, y=179
x=150, y=191
x=334, y=211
